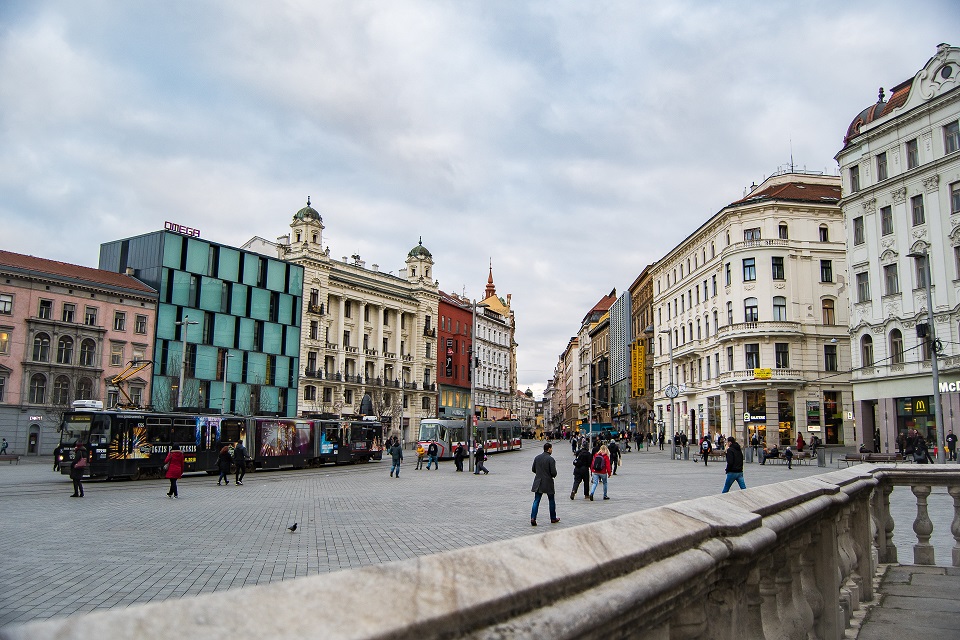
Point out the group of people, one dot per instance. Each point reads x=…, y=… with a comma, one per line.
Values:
x=432, y=454
x=913, y=444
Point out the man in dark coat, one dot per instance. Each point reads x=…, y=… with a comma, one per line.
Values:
x=581, y=473
x=458, y=457
x=545, y=468
x=240, y=462
x=734, y=465
x=614, y=455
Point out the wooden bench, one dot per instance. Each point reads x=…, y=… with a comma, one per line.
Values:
x=858, y=458
x=10, y=458
x=799, y=457
x=715, y=454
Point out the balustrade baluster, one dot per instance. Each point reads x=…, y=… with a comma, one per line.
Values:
x=808, y=584
x=923, y=553
x=799, y=599
x=890, y=555
x=689, y=623
x=751, y=627
x=955, y=525
x=772, y=626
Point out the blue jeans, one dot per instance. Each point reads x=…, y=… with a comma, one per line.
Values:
x=395, y=468
x=536, y=506
x=432, y=460
x=731, y=477
x=597, y=478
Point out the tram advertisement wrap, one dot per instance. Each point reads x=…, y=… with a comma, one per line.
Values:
x=284, y=438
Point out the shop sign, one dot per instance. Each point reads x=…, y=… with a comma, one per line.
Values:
x=949, y=387
x=813, y=413
x=762, y=374
x=181, y=229
x=754, y=417
x=36, y=418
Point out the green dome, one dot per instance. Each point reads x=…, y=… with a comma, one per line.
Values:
x=308, y=214
x=420, y=251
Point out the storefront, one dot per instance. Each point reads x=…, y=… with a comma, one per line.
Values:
x=917, y=413
x=755, y=414
x=832, y=417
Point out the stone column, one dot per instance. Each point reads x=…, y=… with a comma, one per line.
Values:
x=923, y=552
x=341, y=365
x=955, y=525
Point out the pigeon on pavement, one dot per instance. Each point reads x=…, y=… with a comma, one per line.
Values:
x=293, y=527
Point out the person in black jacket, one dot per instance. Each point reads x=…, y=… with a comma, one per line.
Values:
x=581, y=473
x=734, y=465
x=458, y=457
x=545, y=468
x=614, y=455
x=240, y=462
x=77, y=467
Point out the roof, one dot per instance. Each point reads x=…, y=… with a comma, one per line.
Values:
x=795, y=192
x=33, y=265
x=308, y=213
x=604, y=305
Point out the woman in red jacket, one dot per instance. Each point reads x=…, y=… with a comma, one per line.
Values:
x=174, y=465
x=601, y=470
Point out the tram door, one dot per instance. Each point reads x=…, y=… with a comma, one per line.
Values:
x=344, y=450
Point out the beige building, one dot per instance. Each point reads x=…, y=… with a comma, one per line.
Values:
x=599, y=371
x=755, y=306
x=496, y=350
x=641, y=352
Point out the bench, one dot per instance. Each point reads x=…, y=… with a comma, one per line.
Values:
x=10, y=458
x=715, y=454
x=857, y=458
x=799, y=457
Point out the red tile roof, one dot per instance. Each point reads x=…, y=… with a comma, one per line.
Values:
x=795, y=191
x=23, y=263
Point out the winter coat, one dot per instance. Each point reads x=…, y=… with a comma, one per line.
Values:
x=607, y=467
x=224, y=460
x=174, y=462
x=546, y=469
x=396, y=452
x=734, y=458
x=75, y=473
x=581, y=464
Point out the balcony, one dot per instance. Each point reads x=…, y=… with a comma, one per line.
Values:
x=759, y=329
x=407, y=358
x=351, y=349
x=750, y=245
x=332, y=346
x=746, y=376
x=389, y=355
x=370, y=352
x=430, y=332
x=315, y=308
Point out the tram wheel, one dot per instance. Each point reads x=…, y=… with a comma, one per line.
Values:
x=136, y=474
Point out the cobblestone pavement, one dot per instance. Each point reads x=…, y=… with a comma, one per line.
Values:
x=126, y=543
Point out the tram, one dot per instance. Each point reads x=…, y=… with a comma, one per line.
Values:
x=134, y=444
x=496, y=435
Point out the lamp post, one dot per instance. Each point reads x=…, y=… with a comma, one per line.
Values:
x=185, y=324
x=473, y=380
x=932, y=339
x=223, y=396
x=671, y=392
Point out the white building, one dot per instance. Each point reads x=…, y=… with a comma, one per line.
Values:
x=901, y=198
x=495, y=347
x=755, y=305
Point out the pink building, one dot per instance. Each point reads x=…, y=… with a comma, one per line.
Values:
x=65, y=332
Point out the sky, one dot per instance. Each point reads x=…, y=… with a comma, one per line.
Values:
x=568, y=144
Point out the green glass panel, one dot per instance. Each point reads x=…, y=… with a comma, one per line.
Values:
x=181, y=289
x=206, y=362
x=197, y=255
x=171, y=250
x=250, y=265
x=296, y=281
x=276, y=275
x=260, y=304
x=285, y=308
x=224, y=330
x=292, y=348
x=238, y=300
x=256, y=367
x=246, y=334
x=166, y=322
x=272, y=338
x=211, y=294
x=229, y=264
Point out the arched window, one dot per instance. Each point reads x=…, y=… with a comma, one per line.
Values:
x=88, y=350
x=41, y=348
x=783, y=231
x=828, y=315
x=706, y=326
x=750, y=312
x=84, y=389
x=65, y=350
x=309, y=392
x=866, y=351
x=683, y=334
x=824, y=233
x=38, y=389
x=779, y=308
x=61, y=390
x=896, y=347
x=699, y=335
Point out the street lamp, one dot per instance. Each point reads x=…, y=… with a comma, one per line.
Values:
x=223, y=396
x=671, y=392
x=183, y=359
x=932, y=338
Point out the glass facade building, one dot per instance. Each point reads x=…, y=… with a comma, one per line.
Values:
x=241, y=312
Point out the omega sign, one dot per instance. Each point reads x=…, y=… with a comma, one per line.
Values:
x=179, y=228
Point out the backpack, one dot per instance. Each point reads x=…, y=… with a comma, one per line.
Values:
x=598, y=464
x=705, y=445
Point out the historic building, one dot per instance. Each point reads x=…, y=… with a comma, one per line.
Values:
x=496, y=350
x=369, y=338
x=525, y=409
x=455, y=336
x=755, y=306
x=569, y=390
x=621, y=341
x=641, y=350
x=585, y=357
x=66, y=333
x=900, y=165
x=598, y=373
x=227, y=322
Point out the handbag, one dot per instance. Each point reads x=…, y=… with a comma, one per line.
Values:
x=81, y=464
x=166, y=466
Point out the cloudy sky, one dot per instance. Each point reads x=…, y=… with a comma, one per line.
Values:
x=571, y=143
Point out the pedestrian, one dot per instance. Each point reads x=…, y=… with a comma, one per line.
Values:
x=479, y=457
x=600, y=466
x=800, y=443
x=224, y=460
x=788, y=454
x=754, y=443
x=3, y=446
x=240, y=462
x=614, y=455
x=173, y=463
x=56, y=457
x=77, y=467
x=734, y=465
x=706, y=446
x=459, y=455
x=662, y=438
x=432, y=452
x=876, y=440
x=814, y=445
x=421, y=453
x=921, y=454
x=545, y=470
x=952, y=445
x=684, y=441
x=581, y=473
x=396, y=456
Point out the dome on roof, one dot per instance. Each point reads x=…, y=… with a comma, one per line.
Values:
x=866, y=116
x=308, y=214
x=420, y=251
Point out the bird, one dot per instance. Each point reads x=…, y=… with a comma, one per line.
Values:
x=292, y=527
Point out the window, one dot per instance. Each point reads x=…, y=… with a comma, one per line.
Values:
x=727, y=278
x=916, y=206
x=779, y=308
x=3, y=386
x=782, y=352
x=67, y=312
x=425, y=403
x=347, y=307
x=314, y=330
x=309, y=392
x=777, y=264
x=913, y=154
x=882, y=166
x=751, y=234
x=729, y=358
x=119, y=321
x=749, y=269
x=750, y=313
x=4, y=342
x=752, y=355
x=61, y=391
x=890, y=279
x=716, y=322
x=327, y=394
x=136, y=395
x=38, y=389
x=729, y=313
x=45, y=311
x=854, y=173
x=90, y=316
x=886, y=220
x=826, y=271
x=88, y=349
x=829, y=318
x=920, y=266
x=782, y=231
x=139, y=353
x=65, y=350
x=116, y=354
x=41, y=348
x=896, y=347
x=84, y=389
x=824, y=233
x=951, y=137
x=714, y=286
x=863, y=287
x=858, y=235
x=6, y=304
x=829, y=357
x=955, y=197
x=140, y=324
x=866, y=351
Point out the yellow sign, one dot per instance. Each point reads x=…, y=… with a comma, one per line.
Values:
x=762, y=374
x=638, y=364
x=920, y=406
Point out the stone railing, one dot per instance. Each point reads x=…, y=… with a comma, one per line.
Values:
x=795, y=559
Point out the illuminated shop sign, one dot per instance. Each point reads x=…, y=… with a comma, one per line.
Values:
x=181, y=229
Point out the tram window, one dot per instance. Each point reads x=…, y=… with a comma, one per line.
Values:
x=184, y=433
x=230, y=431
x=158, y=433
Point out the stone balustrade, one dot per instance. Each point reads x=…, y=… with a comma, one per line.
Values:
x=791, y=560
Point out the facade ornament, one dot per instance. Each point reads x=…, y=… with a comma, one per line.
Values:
x=878, y=330
x=869, y=205
x=919, y=233
x=891, y=308
x=899, y=195
x=931, y=183
x=886, y=243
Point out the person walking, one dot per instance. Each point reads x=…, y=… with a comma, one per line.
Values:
x=754, y=443
x=421, y=453
x=788, y=454
x=921, y=454
x=706, y=446
x=581, y=473
x=662, y=438
x=479, y=457
x=432, y=452
x=800, y=443
x=600, y=466
x=56, y=457
x=952, y=445
x=3, y=446
x=173, y=463
x=459, y=455
x=396, y=456
x=614, y=455
x=224, y=460
x=545, y=470
x=734, y=465
x=77, y=467
x=240, y=462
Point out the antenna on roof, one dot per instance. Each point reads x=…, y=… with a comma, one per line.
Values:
x=791, y=155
